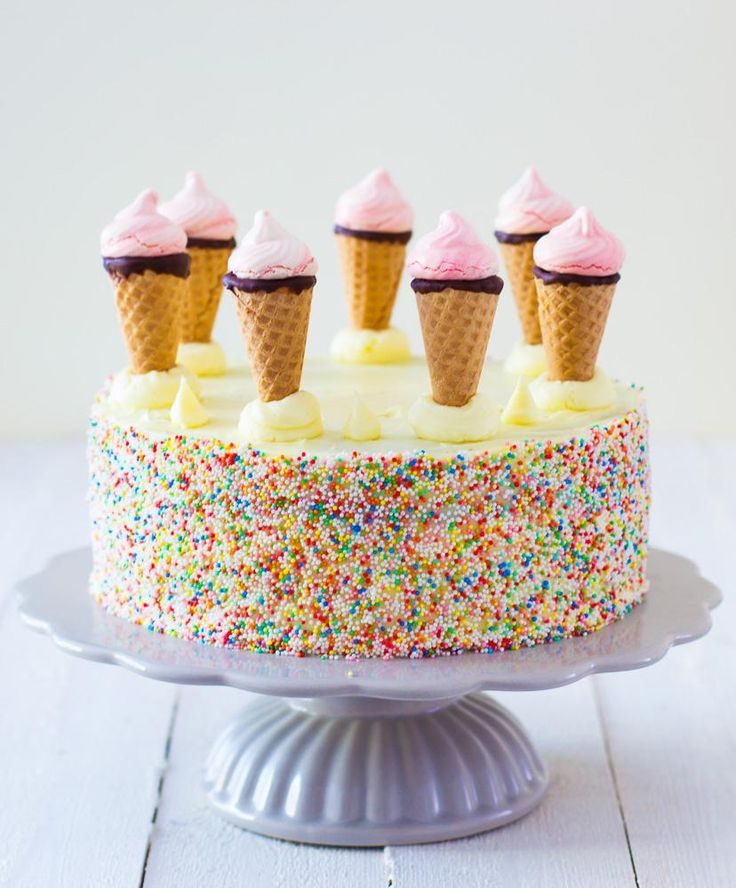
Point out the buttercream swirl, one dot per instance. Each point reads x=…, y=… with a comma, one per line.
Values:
x=139, y=230
x=581, y=245
x=530, y=206
x=199, y=212
x=269, y=252
x=453, y=251
x=374, y=204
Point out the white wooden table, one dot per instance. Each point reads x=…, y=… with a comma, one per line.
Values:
x=99, y=769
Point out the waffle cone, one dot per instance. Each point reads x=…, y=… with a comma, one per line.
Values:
x=274, y=327
x=371, y=271
x=456, y=326
x=519, y=262
x=573, y=318
x=205, y=289
x=150, y=308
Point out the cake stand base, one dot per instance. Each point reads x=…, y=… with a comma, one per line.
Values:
x=356, y=771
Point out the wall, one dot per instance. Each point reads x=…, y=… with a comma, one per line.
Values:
x=623, y=106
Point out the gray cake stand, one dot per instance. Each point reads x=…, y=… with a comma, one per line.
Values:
x=371, y=752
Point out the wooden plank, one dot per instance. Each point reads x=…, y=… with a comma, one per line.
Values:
x=672, y=728
x=193, y=846
x=575, y=838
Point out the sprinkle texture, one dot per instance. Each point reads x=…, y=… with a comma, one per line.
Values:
x=367, y=555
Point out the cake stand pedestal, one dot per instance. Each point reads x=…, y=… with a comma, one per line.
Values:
x=372, y=752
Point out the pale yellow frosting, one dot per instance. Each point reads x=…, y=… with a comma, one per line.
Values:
x=370, y=346
x=187, y=410
x=202, y=358
x=520, y=409
x=525, y=360
x=475, y=421
x=597, y=393
x=296, y=417
x=362, y=423
x=148, y=391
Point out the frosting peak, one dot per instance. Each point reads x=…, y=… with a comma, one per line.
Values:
x=581, y=245
x=268, y=251
x=530, y=206
x=374, y=204
x=199, y=212
x=139, y=230
x=453, y=251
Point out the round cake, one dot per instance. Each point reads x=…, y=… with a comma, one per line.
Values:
x=393, y=547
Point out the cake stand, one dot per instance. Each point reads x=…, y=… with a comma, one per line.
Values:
x=371, y=752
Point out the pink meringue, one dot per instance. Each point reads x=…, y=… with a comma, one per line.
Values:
x=374, y=204
x=581, y=245
x=453, y=251
x=138, y=230
x=530, y=207
x=268, y=251
x=199, y=212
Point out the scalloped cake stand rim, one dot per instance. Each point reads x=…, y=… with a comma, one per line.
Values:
x=677, y=610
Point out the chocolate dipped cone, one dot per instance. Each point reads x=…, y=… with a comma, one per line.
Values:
x=456, y=327
x=519, y=262
x=371, y=271
x=274, y=326
x=572, y=318
x=209, y=264
x=150, y=306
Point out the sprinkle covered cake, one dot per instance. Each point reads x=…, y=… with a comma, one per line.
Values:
x=359, y=507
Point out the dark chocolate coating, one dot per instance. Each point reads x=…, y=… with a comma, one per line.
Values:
x=504, y=237
x=396, y=237
x=492, y=284
x=207, y=243
x=585, y=280
x=177, y=264
x=268, y=285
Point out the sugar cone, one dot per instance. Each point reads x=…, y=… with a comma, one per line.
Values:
x=205, y=289
x=274, y=327
x=456, y=326
x=519, y=262
x=573, y=318
x=150, y=307
x=371, y=271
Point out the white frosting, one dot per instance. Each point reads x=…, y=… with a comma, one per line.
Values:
x=202, y=358
x=148, y=391
x=475, y=421
x=597, y=393
x=362, y=423
x=296, y=417
x=187, y=411
x=520, y=409
x=525, y=360
x=370, y=346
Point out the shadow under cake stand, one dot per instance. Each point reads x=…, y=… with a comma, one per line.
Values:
x=371, y=752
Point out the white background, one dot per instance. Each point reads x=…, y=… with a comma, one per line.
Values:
x=626, y=107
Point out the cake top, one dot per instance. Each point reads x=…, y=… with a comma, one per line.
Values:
x=531, y=207
x=581, y=246
x=374, y=204
x=199, y=212
x=269, y=252
x=453, y=251
x=139, y=230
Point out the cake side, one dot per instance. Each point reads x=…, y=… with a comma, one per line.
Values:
x=370, y=554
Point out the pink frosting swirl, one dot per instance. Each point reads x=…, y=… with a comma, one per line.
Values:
x=139, y=230
x=374, y=204
x=530, y=207
x=199, y=212
x=453, y=251
x=268, y=251
x=581, y=245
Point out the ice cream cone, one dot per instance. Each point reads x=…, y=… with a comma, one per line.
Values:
x=150, y=307
x=572, y=318
x=372, y=271
x=456, y=326
x=274, y=327
x=209, y=264
x=518, y=260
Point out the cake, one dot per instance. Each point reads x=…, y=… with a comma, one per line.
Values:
x=308, y=506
